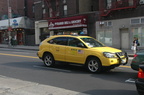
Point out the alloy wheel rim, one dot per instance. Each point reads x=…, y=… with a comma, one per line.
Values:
x=93, y=66
x=48, y=60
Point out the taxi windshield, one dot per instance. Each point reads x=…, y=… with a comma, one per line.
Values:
x=92, y=42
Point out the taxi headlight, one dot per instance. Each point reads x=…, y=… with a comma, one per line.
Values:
x=109, y=55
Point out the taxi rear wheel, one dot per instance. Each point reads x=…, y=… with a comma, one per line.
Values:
x=93, y=65
x=48, y=60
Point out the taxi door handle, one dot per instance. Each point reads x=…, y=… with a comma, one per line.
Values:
x=57, y=48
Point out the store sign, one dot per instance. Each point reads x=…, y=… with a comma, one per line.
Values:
x=71, y=22
x=3, y=27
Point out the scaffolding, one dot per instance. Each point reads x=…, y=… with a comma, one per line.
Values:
x=108, y=7
x=53, y=13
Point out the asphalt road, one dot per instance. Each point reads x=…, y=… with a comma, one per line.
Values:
x=25, y=65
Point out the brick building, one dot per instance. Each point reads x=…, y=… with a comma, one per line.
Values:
x=21, y=26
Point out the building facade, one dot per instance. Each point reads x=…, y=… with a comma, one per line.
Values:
x=17, y=22
x=113, y=22
x=64, y=17
x=120, y=21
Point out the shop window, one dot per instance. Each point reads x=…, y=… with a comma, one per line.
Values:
x=138, y=32
x=105, y=37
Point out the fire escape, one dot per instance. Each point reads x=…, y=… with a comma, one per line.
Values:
x=53, y=12
x=116, y=5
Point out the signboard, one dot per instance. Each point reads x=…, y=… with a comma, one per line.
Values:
x=15, y=23
x=70, y=22
x=9, y=12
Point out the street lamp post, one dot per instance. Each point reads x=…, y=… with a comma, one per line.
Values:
x=9, y=28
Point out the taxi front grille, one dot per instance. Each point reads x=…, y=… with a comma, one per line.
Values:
x=120, y=53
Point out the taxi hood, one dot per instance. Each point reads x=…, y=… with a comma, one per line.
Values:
x=106, y=49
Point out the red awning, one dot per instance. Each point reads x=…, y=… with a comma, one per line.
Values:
x=69, y=22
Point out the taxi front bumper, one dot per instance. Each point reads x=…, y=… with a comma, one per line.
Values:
x=122, y=59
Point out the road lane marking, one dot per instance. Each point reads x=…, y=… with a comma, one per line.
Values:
x=37, y=58
x=125, y=66
x=18, y=55
x=130, y=80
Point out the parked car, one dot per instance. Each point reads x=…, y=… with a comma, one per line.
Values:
x=140, y=80
x=137, y=60
x=83, y=50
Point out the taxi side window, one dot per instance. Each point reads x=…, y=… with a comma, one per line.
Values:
x=74, y=42
x=58, y=41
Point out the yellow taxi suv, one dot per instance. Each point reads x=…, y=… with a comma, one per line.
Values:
x=83, y=50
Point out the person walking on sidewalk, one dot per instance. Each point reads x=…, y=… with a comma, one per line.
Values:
x=135, y=44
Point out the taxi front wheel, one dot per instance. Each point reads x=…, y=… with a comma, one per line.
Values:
x=93, y=65
x=48, y=60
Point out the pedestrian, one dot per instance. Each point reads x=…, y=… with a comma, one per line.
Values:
x=12, y=41
x=135, y=44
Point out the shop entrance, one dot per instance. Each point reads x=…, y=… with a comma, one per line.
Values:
x=124, y=40
x=19, y=38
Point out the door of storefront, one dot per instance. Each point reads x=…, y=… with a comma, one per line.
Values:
x=124, y=39
x=20, y=39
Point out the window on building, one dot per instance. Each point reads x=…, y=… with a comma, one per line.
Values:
x=135, y=21
x=141, y=2
x=64, y=1
x=65, y=10
x=105, y=37
x=109, y=4
x=108, y=23
x=142, y=20
x=33, y=8
x=50, y=12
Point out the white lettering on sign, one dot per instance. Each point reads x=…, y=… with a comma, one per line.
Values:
x=76, y=21
x=68, y=22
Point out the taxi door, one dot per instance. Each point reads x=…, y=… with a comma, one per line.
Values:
x=58, y=48
x=74, y=53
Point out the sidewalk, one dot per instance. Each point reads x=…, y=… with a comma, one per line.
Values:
x=11, y=86
x=35, y=48
x=20, y=47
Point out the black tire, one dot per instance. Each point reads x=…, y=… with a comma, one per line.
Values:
x=93, y=65
x=48, y=60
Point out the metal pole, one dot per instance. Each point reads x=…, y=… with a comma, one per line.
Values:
x=9, y=14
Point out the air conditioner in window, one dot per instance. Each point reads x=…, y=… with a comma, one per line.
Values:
x=101, y=23
x=108, y=7
x=141, y=2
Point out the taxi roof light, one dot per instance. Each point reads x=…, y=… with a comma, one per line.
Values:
x=74, y=34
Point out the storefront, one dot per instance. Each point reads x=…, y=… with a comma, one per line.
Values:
x=120, y=33
x=62, y=26
x=41, y=31
x=69, y=25
x=20, y=29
